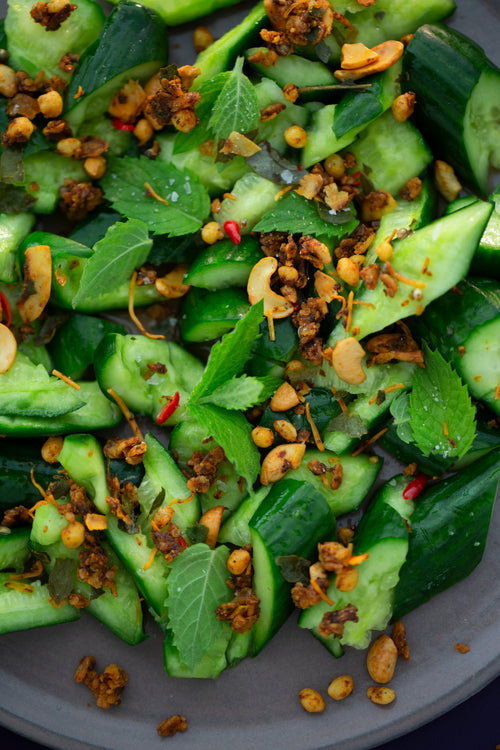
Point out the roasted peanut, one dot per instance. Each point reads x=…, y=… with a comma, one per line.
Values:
x=295, y=136
x=263, y=437
x=381, y=695
x=51, y=449
x=8, y=81
x=73, y=535
x=334, y=166
x=238, y=561
x=311, y=701
x=381, y=659
x=348, y=271
x=284, y=398
x=285, y=429
x=212, y=232
x=341, y=687
x=51, y=104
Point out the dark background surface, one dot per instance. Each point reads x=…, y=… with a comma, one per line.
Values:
x=473, y=725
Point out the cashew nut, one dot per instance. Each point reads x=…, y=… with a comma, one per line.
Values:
x=357, y=56
x=280, y=460
x=388, y=53
x=8, y=348
x=346, y=359
x=37, y=275
x=259, y=287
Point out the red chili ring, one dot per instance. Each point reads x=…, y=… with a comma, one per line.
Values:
x=415, y=487
x=119, y=125
x=168, y=409
x=5, y=308
x=232, y=229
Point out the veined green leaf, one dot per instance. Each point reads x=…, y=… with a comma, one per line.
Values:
x=441, y=412
x=236, y=107
x=169, y=200
x=242, y=392
x=232, y=432
x=294, y=213
x=228, y=356
x=196, y=586
x=209, y=91
x=124, y=247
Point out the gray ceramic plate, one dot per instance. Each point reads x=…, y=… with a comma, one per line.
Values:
x=255, y=704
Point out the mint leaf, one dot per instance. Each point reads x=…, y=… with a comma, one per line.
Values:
x=400, y=410
x=228, y=356
x=236, y=108
x=124, y=247
x=242, y=392
x=294, y=213
x=232, y=432
x=125, y=185
x=196, y=587
x=209, y=91
x=441, y=412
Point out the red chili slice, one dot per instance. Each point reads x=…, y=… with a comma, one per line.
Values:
x=5, y=308
x=168, y=409
x=119, y=125
x=232, y=230
x=182, y=542
x=415, y=487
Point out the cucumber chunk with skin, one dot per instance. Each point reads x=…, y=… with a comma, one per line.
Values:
x=254, y=195
x=28, y=42
x=291, y=520
x=208, y=314
x=224, y=264
x=445, y=248
x=458, y=115
x=465, y=327
x=376, y=145
x=383, y=534
x=457, y=507
x=139, y=34
x=21, y=610
x=13, y=229
x=121, y=362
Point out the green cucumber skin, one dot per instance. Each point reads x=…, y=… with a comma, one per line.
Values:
x=98, y=413
x=486, y=439
x=82, y=457
x=220, y=55
x=130, y=28
x=430, y=65
x=224, y=264
x=449, y=321
x=456, y=508
x=14, y=549
x=291, y=520
x=208, y=314
x=17, y=459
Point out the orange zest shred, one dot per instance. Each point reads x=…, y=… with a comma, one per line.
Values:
x=366, y=304
x=35, y=483
x=426, y=265
x=322, y=594
x=497, y=392
x=373, y=439
x=66, y=380
x=350, y=300
x=150, y=559
x=132, y=314
x=358, y=559
x=343, y=406
x=79, y=93
x=152, y=192
x=445, y=428
x=35, y=572
x=138, y=610
x=24, y=588
x=315, y=432
x=126, y=413
x=270, y=325
x=283, y=192
x=404, y=279
x=179, y=500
